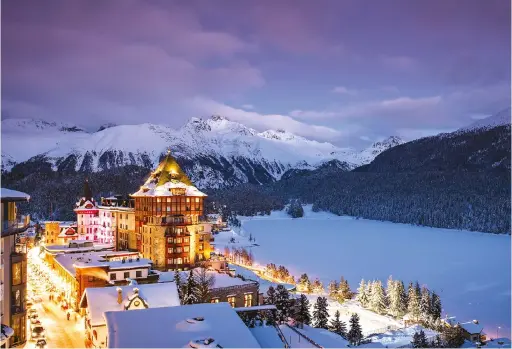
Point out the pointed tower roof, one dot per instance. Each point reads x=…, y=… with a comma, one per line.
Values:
x=168, y=175
x=168, y=170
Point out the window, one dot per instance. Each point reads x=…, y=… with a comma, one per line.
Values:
x=185, y=249
x=215, y=300
x=179, y=261
x=232, y=301
x=248, y=300
x=16, y=274
x=185, y=260
x=126, y=274
x=185, y=239
x=178, y=240
x=113, y=276
x=138, y=273
x=91, y=278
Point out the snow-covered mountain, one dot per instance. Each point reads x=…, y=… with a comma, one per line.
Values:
x=214, y=151
x=498, y=119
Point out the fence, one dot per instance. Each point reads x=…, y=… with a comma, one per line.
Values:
x=281, y=335
x=304, y=336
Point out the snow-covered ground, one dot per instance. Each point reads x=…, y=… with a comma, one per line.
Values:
x=469, y=270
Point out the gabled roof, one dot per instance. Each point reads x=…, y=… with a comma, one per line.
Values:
x=101, y=299
x=472, y=327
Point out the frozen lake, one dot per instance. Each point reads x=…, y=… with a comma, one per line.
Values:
x=470, y=271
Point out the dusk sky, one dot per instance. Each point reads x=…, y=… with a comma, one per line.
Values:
x=348, y=72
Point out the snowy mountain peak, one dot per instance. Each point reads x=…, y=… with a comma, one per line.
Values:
x=36, y=125
x=498, y=119
x=281, y=135
x=389, y=142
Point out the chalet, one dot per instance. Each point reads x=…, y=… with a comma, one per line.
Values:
x=473, y=331
x=96, y=301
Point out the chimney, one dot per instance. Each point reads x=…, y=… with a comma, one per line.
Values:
x=136, y=290
x=119, y=295
x=475, y=322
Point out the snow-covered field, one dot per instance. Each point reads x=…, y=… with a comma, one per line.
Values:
x=470, y=271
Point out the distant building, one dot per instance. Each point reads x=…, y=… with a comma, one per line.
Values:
x=473, y=331
x=188, y=326
x=168, y=219
x=117, y=218
x=13, y=274
x=96, y=301
x=88, y=219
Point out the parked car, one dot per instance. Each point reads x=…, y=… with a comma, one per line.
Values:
x=41, y=343
x=38, y=332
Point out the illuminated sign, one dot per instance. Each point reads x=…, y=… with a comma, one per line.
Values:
x=87, y=211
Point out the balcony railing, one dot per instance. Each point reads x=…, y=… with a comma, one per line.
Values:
x=18, y=225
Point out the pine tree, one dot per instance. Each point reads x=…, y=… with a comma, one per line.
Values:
x=282, y=303
x=204, y=283
x=355, y=335
x=453, y=336
x=304, y=285
x=302, y=314
x=419, y=340
x=402, y=296
x=437, y=342
x=436, y=307
x=271, y=296
x=318, y=287
x=393, y=296
x=190, y=290
x=320, y=314
x=333, y=289
x=179, y=286
x=344, y=290
x=378, y=299
x=425, y=304
x=362, y=294
x=337, y=326
x=413, y=302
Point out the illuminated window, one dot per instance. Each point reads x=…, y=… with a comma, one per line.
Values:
x=16, y=274
x=232, y=301
x=185, y=249
x=179, y=261
x=178, y=240
x=215, y=300
x=197, y=199
x=248, y=300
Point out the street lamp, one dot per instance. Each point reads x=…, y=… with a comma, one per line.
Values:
x=497, y=331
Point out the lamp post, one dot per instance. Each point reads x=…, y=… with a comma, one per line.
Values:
x=497, y=332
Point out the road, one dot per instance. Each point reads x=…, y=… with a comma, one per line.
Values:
x=60, y=333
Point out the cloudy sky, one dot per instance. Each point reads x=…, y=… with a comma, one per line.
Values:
x=344, y=71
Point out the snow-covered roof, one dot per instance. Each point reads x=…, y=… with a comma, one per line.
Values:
x=13, y=195
x=83, y=249
x=175, y=327
x=472, y=327
x=221, y=280
x=452, y=320
x=102, y=299
x=152, y=189
x=65, y=232
x=98, y=259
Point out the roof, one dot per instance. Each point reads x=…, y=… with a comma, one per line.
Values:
x=168, y=175
x=168, y=327
x=101, y=299
x=65, y=248
x=472, y=327
x=97, y=259
x=67, y=232
x=13, y=195
x=221, y=280
x=452, y=320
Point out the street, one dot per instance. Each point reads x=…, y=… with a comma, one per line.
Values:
x=60, y=333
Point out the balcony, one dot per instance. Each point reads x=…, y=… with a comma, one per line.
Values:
x=16, y=226
x=176, y=220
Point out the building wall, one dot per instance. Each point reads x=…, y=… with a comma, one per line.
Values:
x=88, y=224
x=52, y=231
x=125, y=225
x=107, y=225
x=238, y=292
x=132, y=274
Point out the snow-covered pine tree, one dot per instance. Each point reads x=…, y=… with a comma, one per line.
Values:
x=436, y=307
x=282, y=303
x=394, y=297
x=413, y=303
x=362, y=294
x=304, y=285
x=355, y=335
x=333, y=289
x=337, y=326
x=419, y=340
x=402, y=296
x=320, y=314
x=204, y=283
x=271, y=296
x=318, y=287
x=344, y=290
x=378, y=298
x=390, y=285
x=302, y=315
x=425, y=304
x=179, y=286
x=190, y=290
